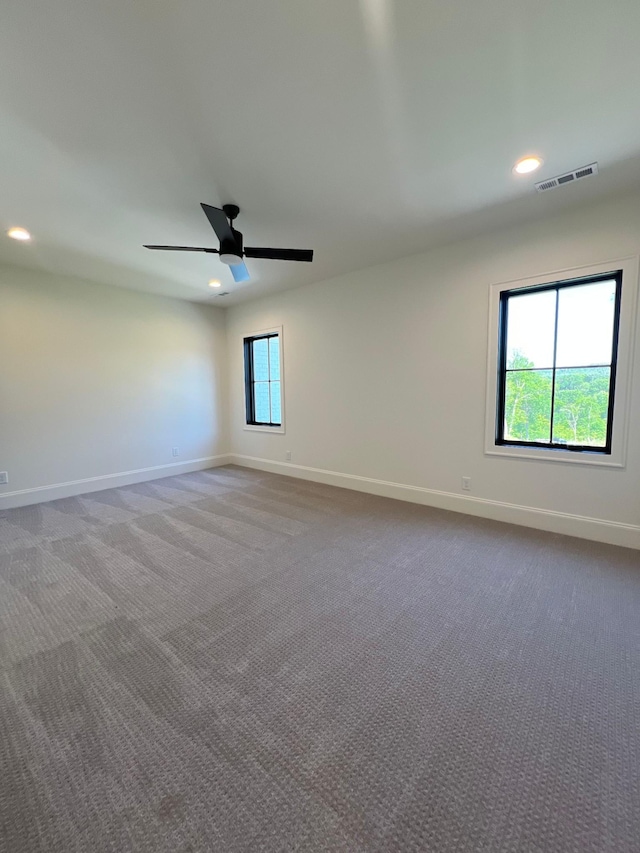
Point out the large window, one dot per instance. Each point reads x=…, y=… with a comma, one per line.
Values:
x=263, y=380
x=557, y=359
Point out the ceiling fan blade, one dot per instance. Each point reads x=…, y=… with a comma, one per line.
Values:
x=184, y=249
x=219, y=222
x=239, y=272
x=280, y=254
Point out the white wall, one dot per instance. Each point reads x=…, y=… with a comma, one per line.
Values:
x=385, y=375
x=96, y=381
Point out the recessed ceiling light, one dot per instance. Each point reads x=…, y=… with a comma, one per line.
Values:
x=527, y=164
x=214, y=283
x=18, y=234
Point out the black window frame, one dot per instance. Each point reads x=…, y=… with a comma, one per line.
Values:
x=505, y=295
x=249, y=381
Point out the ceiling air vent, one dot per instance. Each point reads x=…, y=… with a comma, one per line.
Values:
x=567, y=178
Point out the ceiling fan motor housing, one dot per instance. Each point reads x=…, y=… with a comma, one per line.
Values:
x=232, y=251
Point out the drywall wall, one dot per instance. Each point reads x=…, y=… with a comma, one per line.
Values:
x=385, y=377
x=97, y=381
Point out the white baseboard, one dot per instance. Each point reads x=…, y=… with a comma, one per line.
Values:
x=24, y=497
x=600, y=530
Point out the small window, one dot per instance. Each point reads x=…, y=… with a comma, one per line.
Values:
x=557, y=357
x=263, y=380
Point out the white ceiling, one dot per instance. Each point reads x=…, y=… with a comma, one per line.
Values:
x=364, y=129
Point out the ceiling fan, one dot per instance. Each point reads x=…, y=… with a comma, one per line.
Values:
x=231, y=251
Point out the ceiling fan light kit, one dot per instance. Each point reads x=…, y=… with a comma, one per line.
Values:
x=232, y=251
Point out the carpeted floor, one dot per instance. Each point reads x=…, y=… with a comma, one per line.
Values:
x=235, y=661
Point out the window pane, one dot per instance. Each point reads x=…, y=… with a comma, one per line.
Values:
x=585, y=324
x=276, y=414
x=531, y=322
x=527, y=410
x=581, y=406
x=274, y=358
x=261, y=401
x=261, y=360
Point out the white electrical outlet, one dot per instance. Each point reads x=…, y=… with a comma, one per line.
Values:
x=175, y=451
x=466, y=484
x=288, y=456
x=4, y=478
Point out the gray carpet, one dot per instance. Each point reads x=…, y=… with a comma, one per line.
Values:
x=235, y=661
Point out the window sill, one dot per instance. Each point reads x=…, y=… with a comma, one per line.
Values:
x=255, y=428
x=541, y=454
